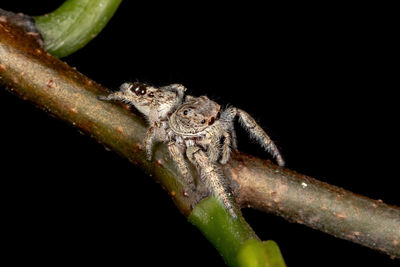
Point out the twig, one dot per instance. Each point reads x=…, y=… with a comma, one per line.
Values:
x=262, y=185
x=55, y=87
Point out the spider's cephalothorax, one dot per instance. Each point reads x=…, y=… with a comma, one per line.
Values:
x=192, y=126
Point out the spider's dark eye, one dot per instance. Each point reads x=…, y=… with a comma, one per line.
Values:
x=185, y=112
x=139, y=90
x=203, y=121
x=151, y=94
x=218, y=115
x=211, y=122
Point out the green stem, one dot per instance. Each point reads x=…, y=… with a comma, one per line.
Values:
x=74, y=24
x=233, y=238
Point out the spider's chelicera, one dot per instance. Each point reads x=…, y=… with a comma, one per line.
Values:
x=193, y=126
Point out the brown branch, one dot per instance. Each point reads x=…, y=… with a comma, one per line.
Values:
x=26, y=69
x=262, y=185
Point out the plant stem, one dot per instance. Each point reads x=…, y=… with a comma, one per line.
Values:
x=305, y=200
x=233, y=238
x=62, y=91
x=74, y=24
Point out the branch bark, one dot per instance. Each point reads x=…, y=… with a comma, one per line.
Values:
x=27, y=70
x=298, y=198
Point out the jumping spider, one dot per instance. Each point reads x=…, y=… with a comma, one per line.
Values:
x=192, y=126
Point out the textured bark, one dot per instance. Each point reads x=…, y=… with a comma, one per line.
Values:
x=27, y=70
x=262, y=185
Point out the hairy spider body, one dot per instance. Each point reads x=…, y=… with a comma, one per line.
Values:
x=192, y=126
x=219, y=126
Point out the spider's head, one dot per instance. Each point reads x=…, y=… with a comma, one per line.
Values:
x=137, y=94
x=195, y=115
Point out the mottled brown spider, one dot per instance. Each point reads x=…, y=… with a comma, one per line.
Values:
x=194, y=127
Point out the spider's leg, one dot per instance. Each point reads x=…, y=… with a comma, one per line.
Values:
x=148, y=141
x=226, y=148
x=214, y=149
x=258, y=134
x=233, y=136
x=177, y=156
x=112, y=96
x=210, y=174
x=176, y=87
x=227, y=119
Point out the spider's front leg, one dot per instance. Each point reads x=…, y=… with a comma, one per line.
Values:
x=177, y=155
x=210, y=175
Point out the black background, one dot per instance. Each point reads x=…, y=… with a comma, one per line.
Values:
x=320, y=80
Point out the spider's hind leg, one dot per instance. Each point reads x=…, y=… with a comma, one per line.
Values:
x=260, y=135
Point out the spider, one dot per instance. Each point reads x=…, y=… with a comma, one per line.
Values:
x=192, y=126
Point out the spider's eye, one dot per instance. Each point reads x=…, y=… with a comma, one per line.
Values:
x=151, y=94
x=185, y=112
x=139, y=90
x=211, y=122
x=203, y=121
